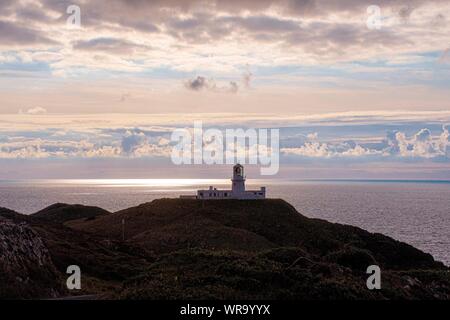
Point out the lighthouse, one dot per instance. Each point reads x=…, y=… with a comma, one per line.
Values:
x=238, y=181
x=237, y=189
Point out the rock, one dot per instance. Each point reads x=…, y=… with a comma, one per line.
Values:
x=26, y=269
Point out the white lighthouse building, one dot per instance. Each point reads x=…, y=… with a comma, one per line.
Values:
x=237, y=189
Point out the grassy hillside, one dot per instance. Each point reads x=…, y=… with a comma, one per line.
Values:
x=166, y=225
x=61, y=212
x=230, y=249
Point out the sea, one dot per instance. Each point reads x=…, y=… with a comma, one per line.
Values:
x=416, y=212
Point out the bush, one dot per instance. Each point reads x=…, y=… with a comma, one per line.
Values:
x=354, y=258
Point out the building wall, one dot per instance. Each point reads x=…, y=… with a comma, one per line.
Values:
x=214, y=194
x=253, y=194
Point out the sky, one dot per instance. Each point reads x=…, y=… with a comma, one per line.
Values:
x=356, y=91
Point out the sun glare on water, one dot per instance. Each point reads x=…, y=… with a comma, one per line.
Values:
x=145, y=182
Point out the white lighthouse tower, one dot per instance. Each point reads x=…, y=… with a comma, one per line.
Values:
x=238, y=181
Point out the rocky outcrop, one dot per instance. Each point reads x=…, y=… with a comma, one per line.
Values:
x=26, y=269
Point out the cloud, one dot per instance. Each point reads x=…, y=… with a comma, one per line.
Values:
x=423, y=135
x=326, y=150
x=201, y=83
x=109, y=45
x=32, y=12
x=438, y=21
x=36, y=110
x=234, y=87
x=125, y=96
x=445, y=57
x=137, y=144
x=220, y=35
x=34, y=148
x=421, y=145
x=310, y=149
x=198, y=83
x=79, y=145
x=346, y=138
x=15, y=34
x=247, y=78
x=261, y=23
x=132, y=140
